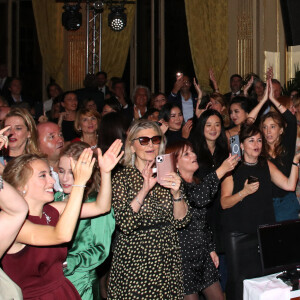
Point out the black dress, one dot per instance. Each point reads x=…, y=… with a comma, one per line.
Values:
x=241, y=222
x=196, y=241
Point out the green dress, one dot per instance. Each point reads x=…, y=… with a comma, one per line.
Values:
x=89, y=249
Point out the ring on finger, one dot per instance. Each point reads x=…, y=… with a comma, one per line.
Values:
x=173, y=183
x=83, y=162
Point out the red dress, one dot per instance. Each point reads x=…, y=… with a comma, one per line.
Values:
x=38, y=270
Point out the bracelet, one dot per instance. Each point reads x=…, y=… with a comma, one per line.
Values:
x=240, y=194
x=137, y=200
x=178, y=199
x=296, y=164
x=1, y=183
x=199, y=98
x=279, y=105
x=79, y=185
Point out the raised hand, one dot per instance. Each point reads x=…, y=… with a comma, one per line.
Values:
x=111, y=157
x=247, y=86
x=178, y=84
x=4, y=138
x=83, y=169
x=198, y=89
x=136, y=113
x=172, y=181
x=269, y=73
x=149, y=180
x=213, y=80
x=186, y=129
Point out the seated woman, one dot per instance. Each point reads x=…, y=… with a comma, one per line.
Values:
x=41, y=275
x=91, y=243
x=172, y=117
x=246, y=197
x=146, y=261
x=86, y=125
x=199, y=259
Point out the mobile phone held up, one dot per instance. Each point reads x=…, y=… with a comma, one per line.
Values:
x=165, y=164
x=235, y=146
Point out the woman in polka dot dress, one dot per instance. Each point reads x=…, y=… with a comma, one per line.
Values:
x=199, y=258
x=147, y=261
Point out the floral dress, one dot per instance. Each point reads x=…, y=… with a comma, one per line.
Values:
x=147, y=259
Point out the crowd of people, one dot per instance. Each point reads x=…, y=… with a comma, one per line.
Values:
x=84, y=214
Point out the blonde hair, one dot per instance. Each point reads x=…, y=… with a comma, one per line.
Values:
x=87, y=112
x=129, y=157
x=18, y=171
x=31, y=143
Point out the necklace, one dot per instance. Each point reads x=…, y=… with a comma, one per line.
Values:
x=250, y=164
x=48, y=218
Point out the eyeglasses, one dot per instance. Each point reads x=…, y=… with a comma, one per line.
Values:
x=145, y=140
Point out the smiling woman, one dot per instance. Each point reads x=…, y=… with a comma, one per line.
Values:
x=146, y=261
x=41, y=275
x=86, y=125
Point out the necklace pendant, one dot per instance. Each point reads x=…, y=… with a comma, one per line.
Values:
x=48, y=218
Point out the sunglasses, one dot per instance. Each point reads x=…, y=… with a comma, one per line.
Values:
x=145, y=140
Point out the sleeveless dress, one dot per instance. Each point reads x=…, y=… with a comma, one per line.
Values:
x=89, y=248
x=38, y=271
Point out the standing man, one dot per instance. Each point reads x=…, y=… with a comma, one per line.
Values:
x=181, y=94
x=236, y=83
x=102, y=87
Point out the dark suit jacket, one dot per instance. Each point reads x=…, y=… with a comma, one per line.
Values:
x=177, y=100
x=91, y=93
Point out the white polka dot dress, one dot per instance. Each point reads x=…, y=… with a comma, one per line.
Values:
x=147, y=260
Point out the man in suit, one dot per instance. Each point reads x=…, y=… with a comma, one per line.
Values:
x=102, y=87
x=90, y=91
x=181, y=94
x=236, y=83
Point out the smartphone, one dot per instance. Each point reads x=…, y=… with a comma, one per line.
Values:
x=178, y=75
x=235, y=146
x=252, y=179
x=165, y=164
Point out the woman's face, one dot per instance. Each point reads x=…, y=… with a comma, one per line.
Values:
x=65, y=174
x=259, y=89
x=154, y=116
x=212, y=128
x=252, y=147
x=187, y=161
x=147, y=152
x=107, y=109
x=17, y=134
x=237, y=114
x=216, y=105
x=88, y=124
x=70, y=102
x=159, y=101
x=39, y=187
x=176, y=119
x=271, y=131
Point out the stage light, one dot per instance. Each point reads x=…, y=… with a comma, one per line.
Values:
x=98, y=5
x=71, y=17
x=117, y=19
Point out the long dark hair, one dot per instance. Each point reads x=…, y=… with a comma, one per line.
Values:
x=205, y=159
